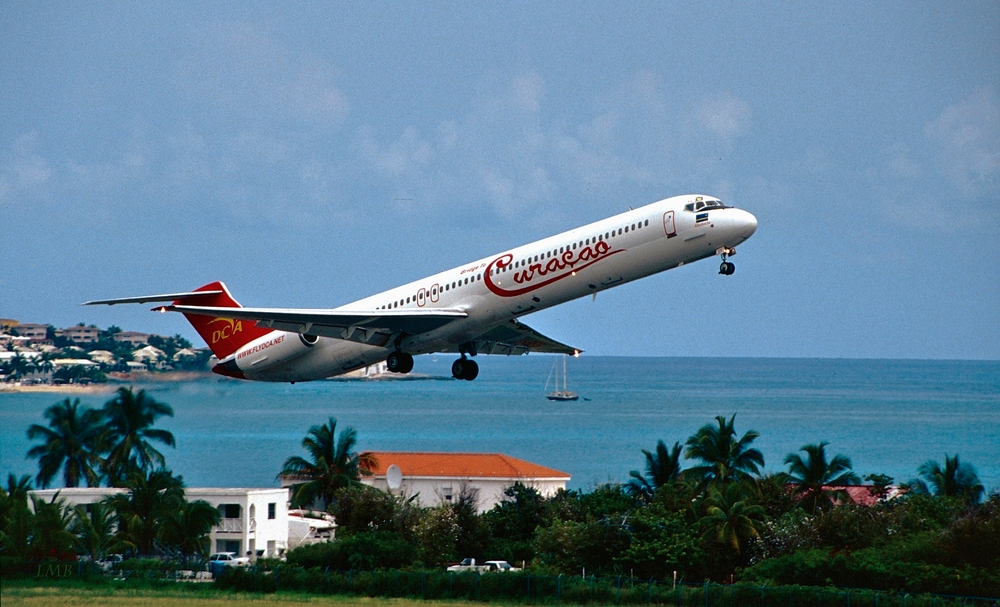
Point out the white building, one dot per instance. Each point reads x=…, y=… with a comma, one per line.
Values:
x=440, y=478
x=252, y=519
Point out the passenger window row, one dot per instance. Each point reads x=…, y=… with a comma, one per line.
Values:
x=548, y=254
x=519, y=263
x=432, y=293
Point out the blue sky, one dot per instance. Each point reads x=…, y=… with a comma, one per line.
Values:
x=309, y=154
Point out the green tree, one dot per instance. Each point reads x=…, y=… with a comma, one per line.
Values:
x=334, y=464
x=815, y=478
x=16, y=518
x=18, y=366
x=954, y=479
x=50, y=535
x=187, y=528
x=141, y=513
x=94, y=529
x=661, y=542
x=731, y=518
x=437, y=536
x=513, y=521
x=663, y=467
x=129, y=419
x=72, y=442
x=724, y=459
x=43, y=363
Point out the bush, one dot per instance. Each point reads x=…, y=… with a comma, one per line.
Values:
x=366, y=551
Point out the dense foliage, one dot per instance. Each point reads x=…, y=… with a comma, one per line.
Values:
x=718, y=520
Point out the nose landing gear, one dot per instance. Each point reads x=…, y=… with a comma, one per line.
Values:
x=727, y=267
x=464, y=368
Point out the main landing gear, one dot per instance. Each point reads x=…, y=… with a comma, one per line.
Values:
x=399, y=362
x=727, y=267
x=464, y=368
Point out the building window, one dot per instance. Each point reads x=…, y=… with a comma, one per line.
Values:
x=271, y=511
x=230, y=510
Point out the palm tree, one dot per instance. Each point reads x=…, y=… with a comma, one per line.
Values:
x=813, y=477
x=731, y=519
x=16, y=520
x=43, y=363
x=662, y=468
x=956, y=479
x=94, y=529
x=129, y=419
x=18, y=366
x=72, y=442
x=50, y=534
x=334, y=464
x=140, y=513
x=187, y=528
x=724, y=459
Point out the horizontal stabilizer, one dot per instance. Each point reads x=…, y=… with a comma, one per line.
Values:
x=151, y=298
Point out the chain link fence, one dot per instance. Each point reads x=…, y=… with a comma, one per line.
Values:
x=535, y=589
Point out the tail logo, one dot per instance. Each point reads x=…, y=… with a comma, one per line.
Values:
x=231, y=327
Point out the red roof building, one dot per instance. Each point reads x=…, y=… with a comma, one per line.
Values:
x=441, y=478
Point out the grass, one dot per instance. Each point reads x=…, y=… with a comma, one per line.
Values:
x=77, y=595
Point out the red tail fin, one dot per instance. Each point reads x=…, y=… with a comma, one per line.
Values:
x=223, y=335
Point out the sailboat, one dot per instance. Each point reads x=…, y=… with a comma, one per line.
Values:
x=558, y=394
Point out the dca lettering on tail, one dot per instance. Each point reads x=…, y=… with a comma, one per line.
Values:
x=232, y=327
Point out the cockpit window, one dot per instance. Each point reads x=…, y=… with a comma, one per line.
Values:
x=700, y=205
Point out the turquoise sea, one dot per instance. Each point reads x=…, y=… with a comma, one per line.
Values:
x=888, y=416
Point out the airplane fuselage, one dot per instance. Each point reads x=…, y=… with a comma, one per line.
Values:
x=493, y=290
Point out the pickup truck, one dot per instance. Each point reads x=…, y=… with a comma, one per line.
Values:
x=468, y=565
x=500, y=566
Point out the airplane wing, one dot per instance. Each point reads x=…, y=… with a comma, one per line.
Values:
x=364, y=326
x=514, y=338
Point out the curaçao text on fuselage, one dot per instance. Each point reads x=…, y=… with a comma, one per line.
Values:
x=469, y=310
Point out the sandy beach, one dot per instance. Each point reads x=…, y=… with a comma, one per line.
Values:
x=113, y=383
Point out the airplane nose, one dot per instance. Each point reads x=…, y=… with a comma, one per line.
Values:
x=747, y=224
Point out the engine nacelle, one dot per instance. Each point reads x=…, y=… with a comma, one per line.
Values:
x=272, y=350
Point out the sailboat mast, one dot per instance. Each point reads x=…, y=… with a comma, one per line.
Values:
x=564, y=372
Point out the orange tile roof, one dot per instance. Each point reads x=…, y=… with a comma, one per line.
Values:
x=462, y=465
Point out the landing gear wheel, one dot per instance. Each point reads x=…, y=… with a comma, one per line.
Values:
x=399, y=362
x=464, y=368
x=727, y=268
x=471, y=370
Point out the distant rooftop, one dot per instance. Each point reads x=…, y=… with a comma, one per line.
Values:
x=462, y=465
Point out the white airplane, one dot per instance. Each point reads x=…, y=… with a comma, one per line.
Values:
x=469, y=310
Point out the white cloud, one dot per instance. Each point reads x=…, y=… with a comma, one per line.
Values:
x=23, y=169
x=967, y=140
x=528, y=92
x=245, y=74
x=724, y=114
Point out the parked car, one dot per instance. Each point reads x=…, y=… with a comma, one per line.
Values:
x=229, y=559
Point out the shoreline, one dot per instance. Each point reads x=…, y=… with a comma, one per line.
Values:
x=113, y=383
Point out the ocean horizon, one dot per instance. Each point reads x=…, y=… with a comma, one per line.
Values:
x=888, y=416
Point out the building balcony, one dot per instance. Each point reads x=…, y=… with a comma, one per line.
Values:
x=235, y=525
